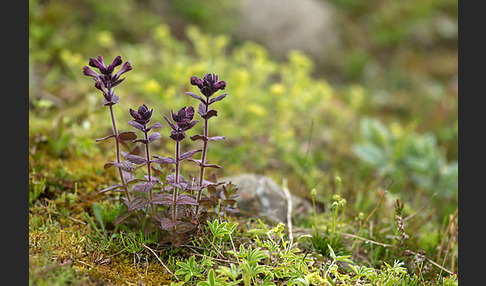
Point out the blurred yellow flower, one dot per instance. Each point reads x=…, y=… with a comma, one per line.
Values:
x=277, y=88
x=152, y=86
x=106, y=39
x=256, y=109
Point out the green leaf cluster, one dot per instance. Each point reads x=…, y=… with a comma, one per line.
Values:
x=407, y=155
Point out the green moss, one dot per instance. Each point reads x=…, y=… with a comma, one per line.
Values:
x=123, y=274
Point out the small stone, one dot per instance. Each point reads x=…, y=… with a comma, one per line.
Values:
x=260, y=196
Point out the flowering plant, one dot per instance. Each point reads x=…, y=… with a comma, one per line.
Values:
x=174, y=206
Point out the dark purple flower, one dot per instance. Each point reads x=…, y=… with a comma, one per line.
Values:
x=105, y=79
x=183, y=116
x=142, y=115
x=105, y=70
x=183, y=122
x=209, y=84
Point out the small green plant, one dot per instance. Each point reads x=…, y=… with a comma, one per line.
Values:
x=221, y=230
x=335, y=260
x=212, y=280
x=190, y=269
x=250, y=263
x=132, y=242
x=100, y=227
x=232, y=272
x=36, y=188
x=407, y=155
x=338, y=208
x=450, y=280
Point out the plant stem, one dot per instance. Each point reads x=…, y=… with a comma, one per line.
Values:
x=203, y=156
x=174, y=209
x=149, y=176
x=315, y=213
x=342, y=222
x=118, y=160
x=333, y=223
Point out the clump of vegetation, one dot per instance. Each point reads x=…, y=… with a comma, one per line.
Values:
x=174, y=210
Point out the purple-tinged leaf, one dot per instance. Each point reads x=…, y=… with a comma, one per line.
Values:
x=125, y=166
x=228, y=202
x=209, y=114
x=127, y=136
x=124, y=144
x=135, y=151
x=131, y=181
x=108, y=165
x=166, y=223
x=163, y=160
x=207, y=201
x=155, y=125
x=143, y=141
x=198, y=162
x=199, y=137
x=212, y=166
x=136, y=125
x=177, y=135
x=201, y=109
x=188, y=154
x=128, y=176
x=216, y=138
x=230, y=210
x=186, y=200
x=192, y=94
x=114, y=100
x=190, y=125
x=207, y=183
x=138, y=202
x=162, y=199
x=170, y=123
x=171, y=179
x=144, y=187
x=153, y=178
x=104, y=138
x=213, y=178
x=136, y=159
x=122, y=217
x=217, y=98
x=154, y=136
x=112, y=187
x=193, y=187
x=177, y=185
x=184, y=227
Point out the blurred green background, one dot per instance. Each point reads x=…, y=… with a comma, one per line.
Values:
x=369, y=94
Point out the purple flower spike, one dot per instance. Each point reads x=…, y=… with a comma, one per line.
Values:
x=106, y=80
x=183, y=119
x=142, y=115
x=105, y=70
x=209, y=84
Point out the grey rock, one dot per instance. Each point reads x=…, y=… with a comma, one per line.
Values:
x=260, y=196
x=283, y=25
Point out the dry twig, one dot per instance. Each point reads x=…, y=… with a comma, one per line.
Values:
x=289, y=210
x=156, y=256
